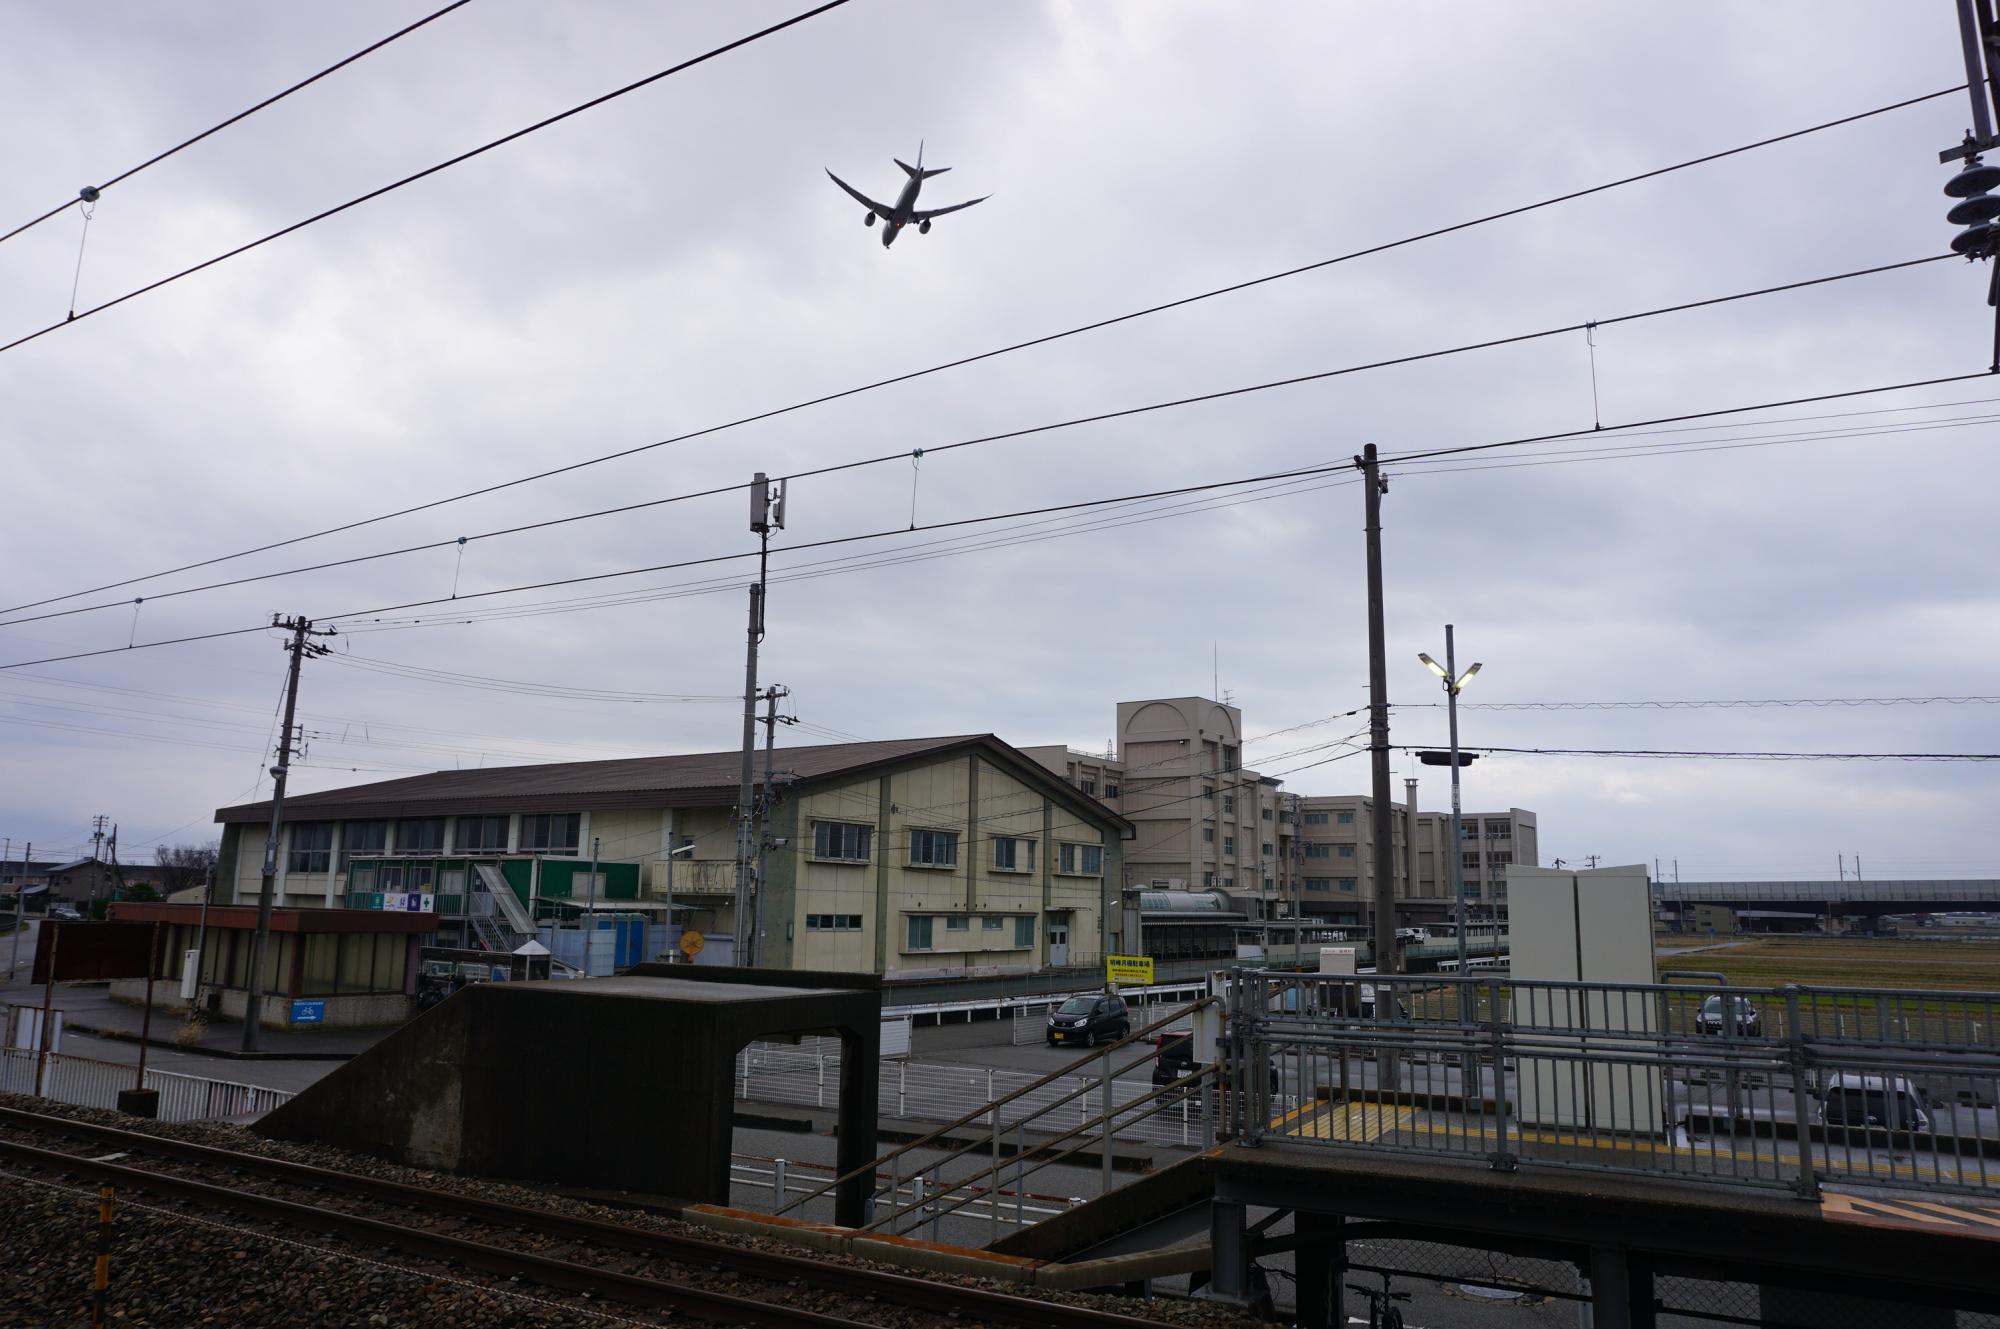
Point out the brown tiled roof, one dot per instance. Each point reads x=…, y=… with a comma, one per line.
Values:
x=698, y=779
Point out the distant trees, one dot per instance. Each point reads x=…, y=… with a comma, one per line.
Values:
x=185, y=865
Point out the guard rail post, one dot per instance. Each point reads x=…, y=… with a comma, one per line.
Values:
x=777, y=1184
x=1795, y=1050
x=1502, y=1158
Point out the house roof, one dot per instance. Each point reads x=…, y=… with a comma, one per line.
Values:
x=71, y=867
x=699, y=779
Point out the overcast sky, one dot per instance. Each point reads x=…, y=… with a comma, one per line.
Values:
x=678, y=259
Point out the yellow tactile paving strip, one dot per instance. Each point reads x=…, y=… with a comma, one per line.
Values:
x=1961, y=1218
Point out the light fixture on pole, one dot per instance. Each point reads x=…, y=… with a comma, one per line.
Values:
x=673, y=945
x=1454, y=683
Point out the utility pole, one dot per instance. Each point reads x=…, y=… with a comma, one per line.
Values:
x=764, y=801
x=766, y=513
x=298, y=648
x=20, y=912
x=1410, y=836
x=1372, y=486
x=1454, y=683
x=1591, y=861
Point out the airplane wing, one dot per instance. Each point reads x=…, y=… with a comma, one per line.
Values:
x=929, y=213
x=878, y=209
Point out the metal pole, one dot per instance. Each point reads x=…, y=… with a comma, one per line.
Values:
x=253, y=1000
x=1372, y=485
x=1457, y=850
x=1975, y=71
x=20, y=910
x=1105, y=1139
x=590, y=910
x=48, y=1000
x=771, y=695
x=201, y=938
x=146, y=1016
x=760, y=522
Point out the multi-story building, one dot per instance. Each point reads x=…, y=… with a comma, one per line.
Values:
x=917, y=857
x=1337, y=855
x=1201, y=818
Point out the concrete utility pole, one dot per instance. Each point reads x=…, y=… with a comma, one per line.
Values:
x=766, y=514
x=1410, y=835
x=764, y=801
x=1454, y=683
x=1372, y=486
x=299, y=648
x=20, y=912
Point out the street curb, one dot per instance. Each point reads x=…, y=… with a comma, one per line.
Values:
x=168, y=1044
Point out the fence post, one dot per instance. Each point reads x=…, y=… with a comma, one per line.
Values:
x=993, y=1183
x=992, y=1113
x=1502, y=1158
x=777, y=1184
x=902, y=1088
x=1020, y=1174
x=1105, y=1136
x=1795, y=1048
x=822, y=1079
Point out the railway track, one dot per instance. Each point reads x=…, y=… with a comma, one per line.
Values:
x=502, y=1253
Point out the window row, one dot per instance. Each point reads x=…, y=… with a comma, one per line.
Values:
x=853, y=842
x=833, y=922
x=922, y=929
x=310, y=847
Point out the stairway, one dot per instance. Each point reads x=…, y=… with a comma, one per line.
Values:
x=500, y=922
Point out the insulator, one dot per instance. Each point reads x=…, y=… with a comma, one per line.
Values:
x=1978, y=177
x=1978, y=208
x=1974, y=241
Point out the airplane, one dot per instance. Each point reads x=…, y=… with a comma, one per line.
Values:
x=906, y=209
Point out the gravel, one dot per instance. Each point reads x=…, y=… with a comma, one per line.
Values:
x=173, y=1268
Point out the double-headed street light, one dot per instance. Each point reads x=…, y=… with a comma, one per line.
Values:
x=1454, y=683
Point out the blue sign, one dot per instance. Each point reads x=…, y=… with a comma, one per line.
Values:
x=309, y=1012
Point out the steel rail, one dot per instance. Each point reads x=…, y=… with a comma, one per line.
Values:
x=900, y=1289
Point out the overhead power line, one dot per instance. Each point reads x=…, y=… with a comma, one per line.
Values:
x=907, y=453
x=1666, y=754
x=948, y=364
x=1968, y=700
x=79, y=315
x=271, y=100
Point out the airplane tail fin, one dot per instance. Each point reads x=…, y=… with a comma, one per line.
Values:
x=918, y=172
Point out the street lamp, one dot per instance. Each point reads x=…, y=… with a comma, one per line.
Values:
x=1454, y=683
x=673, y=853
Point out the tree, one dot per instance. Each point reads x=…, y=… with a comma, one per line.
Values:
x=185, y=865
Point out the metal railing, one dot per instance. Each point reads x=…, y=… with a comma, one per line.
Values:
x=1782, y=1087
x=84, y=1082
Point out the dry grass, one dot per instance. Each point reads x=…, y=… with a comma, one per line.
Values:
x=1867, y=962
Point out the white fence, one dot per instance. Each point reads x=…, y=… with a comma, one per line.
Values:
x=809, y=1075
x=83, y=1082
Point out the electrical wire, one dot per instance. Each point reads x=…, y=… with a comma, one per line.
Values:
x=905, y=454
x=983, y=355
x=271, y=100
x=1666, y=754
x=1967, y=700
x=446, y=164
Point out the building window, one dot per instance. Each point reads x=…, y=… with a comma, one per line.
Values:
x=363, y=839
x=1319, y=883
x=482, y=835
x=1499, y=830
x=1208, y=879
x=1267, y=849
x=920, y=933
x=934, y=849
x=1229, y=758
x=1346, y=851
x=833, y=922
x=1267, y=814
x=1315, y=819
x=1229, y=805
x=1024, y=932
x=991, y=923
x=1319, y=851
x=1065, y=858
x=1093, y=860
x=1344, y=818
x=551, y=833
x=1208, y=835
x=420, y=835
x=845, y=841
x=1285, y=818
x=312, y=847
x=1111, y=791
x=1090, y=787
x=1229, y=845
x=1347, y=883
x=1208, y=791
x=957, y=922
x=1013, y=853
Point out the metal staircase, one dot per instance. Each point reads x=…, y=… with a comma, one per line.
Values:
x=500, y=922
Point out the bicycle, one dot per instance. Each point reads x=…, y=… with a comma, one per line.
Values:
x=1382, y=1312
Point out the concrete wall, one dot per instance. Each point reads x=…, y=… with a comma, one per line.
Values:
x=358, y=1011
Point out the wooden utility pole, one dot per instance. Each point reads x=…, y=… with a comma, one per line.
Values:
x=298, y=648
x=1380, y=821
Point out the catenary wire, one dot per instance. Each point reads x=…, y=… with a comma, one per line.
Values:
x=906, y=453
x=1003, y=350
x=1966, y=700
x=271, y=100
x=392, y=186
x=1668, y=754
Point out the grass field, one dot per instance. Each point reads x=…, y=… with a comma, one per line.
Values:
x=1867, y=962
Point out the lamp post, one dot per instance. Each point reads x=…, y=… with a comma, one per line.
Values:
x=1454, y=683
x=673, y=947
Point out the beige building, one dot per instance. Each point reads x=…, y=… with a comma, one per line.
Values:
x=940, y=856
x=1337, y=855
x=1201, y=819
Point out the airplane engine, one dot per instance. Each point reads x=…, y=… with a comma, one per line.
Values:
x=923, y=228
x=868, y=220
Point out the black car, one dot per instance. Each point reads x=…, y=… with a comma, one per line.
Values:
x=1089, y=1020
x=1177, y=1059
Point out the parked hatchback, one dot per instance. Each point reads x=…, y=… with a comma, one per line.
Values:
x=1730, y=1014
x=1089, y=1020
x=1890, y=1102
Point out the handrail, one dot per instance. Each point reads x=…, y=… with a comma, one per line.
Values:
x=1185, y=1081
x=996, y=1104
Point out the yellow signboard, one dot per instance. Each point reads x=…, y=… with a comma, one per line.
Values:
x=1128, y=969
